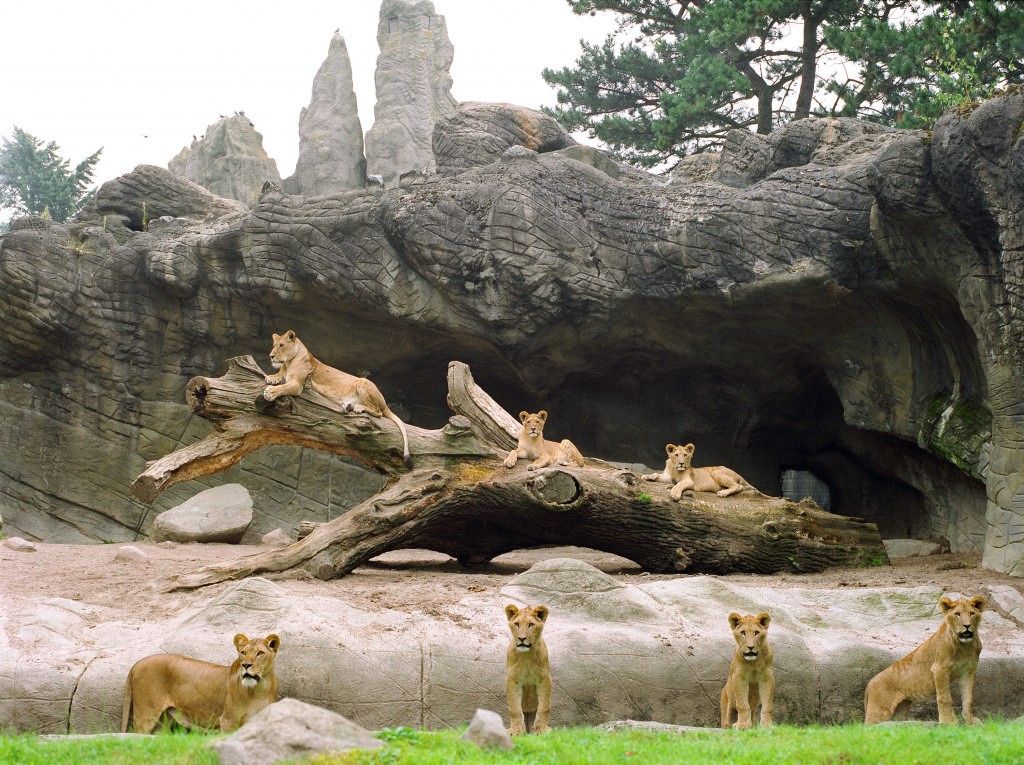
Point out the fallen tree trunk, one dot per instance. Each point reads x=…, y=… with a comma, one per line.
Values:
x=461, y=500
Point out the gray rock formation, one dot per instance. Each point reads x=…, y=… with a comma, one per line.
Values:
x=220, y=514
x=852, y=309
x=658, y=651
x=478, y=134
x=330, y=135
x=228, y=160
x=413, y=88
x=487, y=731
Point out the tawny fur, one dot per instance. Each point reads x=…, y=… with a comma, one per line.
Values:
x=199, y=694
x=532, y=445
x=751, y=681
x=296, y=365
x=683, y=477
x=527, y=671
x=927, y=671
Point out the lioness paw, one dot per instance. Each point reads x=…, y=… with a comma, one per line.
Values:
x=541, y=728
x=268, y=393
x=675, y=492
x=511, y=460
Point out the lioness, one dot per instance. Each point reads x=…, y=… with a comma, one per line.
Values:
x=532, y=445
x=200, y=694
x=751, y=673
x=678, y=471
x=527, y=674
x=297, y=365
x=952, y=652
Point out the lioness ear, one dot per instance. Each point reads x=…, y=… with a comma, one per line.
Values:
x=734, y=619
x=523, y=415
x=669, y=448
x=273, y=642
x=510, y=611
x=689, y=448
x=541, y=612
x=240, y=641
x=764, y=619
x=275, y=336
x=945, y=604
x=290, y=334
x=543, y=415
x=979, y=603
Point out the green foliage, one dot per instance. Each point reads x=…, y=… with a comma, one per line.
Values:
x=644, y=497
x=34, y=178
x=165, y=749
x=678, y=75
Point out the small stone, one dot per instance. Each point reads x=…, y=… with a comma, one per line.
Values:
x=487, y=731
x=19, y=545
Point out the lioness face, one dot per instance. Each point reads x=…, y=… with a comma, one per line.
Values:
x=285, y=348
x=679, y=457
x=256, y=657
x=963, y=616
x=533, y=424
x=526, y=625
x=750, y=632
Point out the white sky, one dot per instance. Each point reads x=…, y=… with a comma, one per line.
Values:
x=140, y=80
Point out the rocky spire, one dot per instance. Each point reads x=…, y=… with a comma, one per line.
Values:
x=330, y=136
x=413, y=88
x=228, y=160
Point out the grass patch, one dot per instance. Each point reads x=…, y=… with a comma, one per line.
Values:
x=993, y=743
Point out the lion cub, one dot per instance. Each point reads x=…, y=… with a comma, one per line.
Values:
x=751, y=673
x=200, y=694
x=296, y=366
x=683, y=477
x=951, y=653
x=527, y=673
x=532, y=445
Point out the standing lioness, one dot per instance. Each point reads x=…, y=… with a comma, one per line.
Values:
x=200, y=694
x=751, y=679
x=296, y=365
x=951, y=653
x=527, y=672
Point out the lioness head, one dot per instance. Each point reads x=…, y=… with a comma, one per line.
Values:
x=526, y=625
x=256, y=658
x=533, y=424
x=286, y=347
x=750, y=632
x=963, y=616
x=679, y=456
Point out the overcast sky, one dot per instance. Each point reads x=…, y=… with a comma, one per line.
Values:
x=140, y=80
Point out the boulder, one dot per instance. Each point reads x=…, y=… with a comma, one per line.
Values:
x=413, y=89
x=228, y=160
x=220, y=514
x=487, y=731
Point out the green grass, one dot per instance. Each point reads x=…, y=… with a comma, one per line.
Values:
x=993, y=743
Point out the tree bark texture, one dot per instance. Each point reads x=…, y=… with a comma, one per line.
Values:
x=461, y=500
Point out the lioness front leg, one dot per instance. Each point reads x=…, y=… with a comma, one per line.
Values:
x=272, y=392
x=744, y=718
x=967, y=698
x=541, y=462
x=516, y=721
x=943, y=697
x=659, y=477
x=676, y=492
x=767, y=693
x=513, y=458
x=540, y=722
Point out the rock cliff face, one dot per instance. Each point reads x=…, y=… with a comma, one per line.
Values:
x=413, y=88
x=229, y=160
x=836, y=299
x=330, y=135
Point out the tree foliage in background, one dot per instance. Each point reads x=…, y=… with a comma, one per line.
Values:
x=34, y=177
x=679, y=74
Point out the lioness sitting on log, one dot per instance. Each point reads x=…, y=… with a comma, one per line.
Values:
x=532, y=445
x=951, y=653
x=527, y=672
x=200, y=694
x=678, y=472
x=297, y=365
x=751, y=679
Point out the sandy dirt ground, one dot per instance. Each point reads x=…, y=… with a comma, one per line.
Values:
x=410, y=580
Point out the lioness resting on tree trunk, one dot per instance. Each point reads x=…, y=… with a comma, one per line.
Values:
x=532, y=445
x=527, y=672
x=951, y=653
x=297, y=365
x=200, y=694
x=683, y=477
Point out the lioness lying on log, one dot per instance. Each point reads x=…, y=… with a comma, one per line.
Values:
x=532, y=445
x=751, y=679
x=297, y=365
x=527, y=672
x=200, y=694
x=678, y=472
x=951, y=653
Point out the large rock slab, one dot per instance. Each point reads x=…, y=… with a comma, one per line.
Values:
x=220, y=514
x=658, y=651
